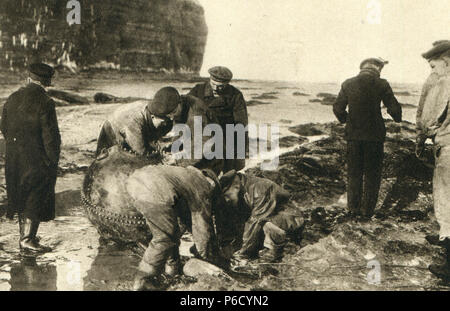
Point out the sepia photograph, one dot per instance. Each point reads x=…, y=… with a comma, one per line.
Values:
x=233, y=146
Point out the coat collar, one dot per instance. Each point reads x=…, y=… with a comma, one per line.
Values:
x=36, y=86
x=370, y=71
x=245, y=199
x=208, y=90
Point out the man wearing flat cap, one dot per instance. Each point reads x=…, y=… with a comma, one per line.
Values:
x=433, y=121
x=33, y=142
x=229, y=105
x=141, y=127
x=365, y=133
x=138, y=126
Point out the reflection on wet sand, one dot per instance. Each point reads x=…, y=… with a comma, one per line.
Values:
x=113, y=268
x=27, y=275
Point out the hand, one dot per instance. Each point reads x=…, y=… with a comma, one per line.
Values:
x=168, y=158
x=239, y=260
x=420, y=146
x=154, y=148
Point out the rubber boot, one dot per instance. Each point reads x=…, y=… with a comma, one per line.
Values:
x=21, y=228
x=145, y=282
x=173, y=264
x=271, y=255
x=147, y=277
x=443, y=271
x=28, y=241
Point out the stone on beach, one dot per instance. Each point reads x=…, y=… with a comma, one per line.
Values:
x=290, y=141
x=266, y=96
x=299, y=94
x=329, y=101
x=251, y=103
x=325, y=95
x=104, y=98
x=403, y=93
x=326, y=99
x=308, y=129
x=68, y=97
x=195, y=267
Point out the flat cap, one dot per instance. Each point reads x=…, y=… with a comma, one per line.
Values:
x=41, y=70
x=439, y=47
x=374, y=60
x=165, y=101
x=221, y=74
x=227, y=179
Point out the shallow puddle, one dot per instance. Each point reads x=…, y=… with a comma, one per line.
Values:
x=79, y=261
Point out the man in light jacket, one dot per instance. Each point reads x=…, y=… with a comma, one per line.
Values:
x=433, y=121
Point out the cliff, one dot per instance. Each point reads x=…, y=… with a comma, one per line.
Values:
x=148, y=35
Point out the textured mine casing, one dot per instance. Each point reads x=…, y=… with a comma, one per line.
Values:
x=106, y=201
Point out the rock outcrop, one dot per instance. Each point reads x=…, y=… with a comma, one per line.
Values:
x=149, y=35
x=335, y=252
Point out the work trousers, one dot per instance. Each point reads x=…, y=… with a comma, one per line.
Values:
x=441, y=190
x=364, y=164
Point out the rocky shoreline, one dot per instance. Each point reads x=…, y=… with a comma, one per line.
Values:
x=332, y=253
x=335, y=252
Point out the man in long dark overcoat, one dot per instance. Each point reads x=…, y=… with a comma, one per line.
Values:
x=33, y=142
x=365, y=133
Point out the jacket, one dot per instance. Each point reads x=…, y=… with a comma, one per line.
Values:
x=434, y=120
x=33, y=144
x=363, y=95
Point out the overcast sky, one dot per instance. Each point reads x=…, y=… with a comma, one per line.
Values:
x=322, y=40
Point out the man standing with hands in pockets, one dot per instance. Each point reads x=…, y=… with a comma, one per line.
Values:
x=33, y=143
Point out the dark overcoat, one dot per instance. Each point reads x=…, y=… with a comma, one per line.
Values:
x=194, y=107
x=33, y=143
x=230, y=108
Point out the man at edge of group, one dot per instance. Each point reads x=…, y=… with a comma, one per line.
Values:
x=229, y=105
x=433, y=121
x=33, y=142
x=365, y=133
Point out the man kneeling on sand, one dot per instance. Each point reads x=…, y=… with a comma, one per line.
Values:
x=263, y=209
